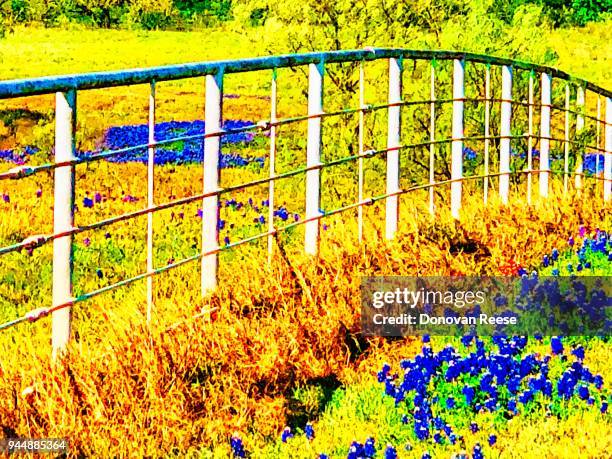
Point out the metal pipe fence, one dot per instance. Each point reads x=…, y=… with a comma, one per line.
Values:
x=66, y=89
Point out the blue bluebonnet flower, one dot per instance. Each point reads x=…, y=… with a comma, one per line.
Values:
x=492, y=439
x=369, y=447
x=604, y=407
x=99, y=273
x=237, y=446
x=323, y=456
x=226, y=240
x=286, y=435
x=355, y=450
x=583, y=392
x=469, y=154
x=556, y=345
x=477, y=454
x=426, y=455
x=578, y=352
x=555, y=254
x=38, y=193
x=593, y=163
x=309, y=431
x=6, y=198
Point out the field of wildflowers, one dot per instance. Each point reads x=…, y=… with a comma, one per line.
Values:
x=274, y=365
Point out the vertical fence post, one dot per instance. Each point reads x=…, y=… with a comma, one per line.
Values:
x=457, y=137
x=210, y=205
x=598, y=135
x=545, y=134
x=432, y=137
x=393, y=145
x=530, y=140
x=273, y=121
x=313, y=157
x=608, y=147
x=506, y=132
x=566, y=144
x=487, y=132
x=580, y=101
x=63, y=217
x=150, y=199
x=361, y=150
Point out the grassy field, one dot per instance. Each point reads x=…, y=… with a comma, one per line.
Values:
x=278, y=345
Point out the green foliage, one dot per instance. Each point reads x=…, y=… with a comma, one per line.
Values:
x=339, y=22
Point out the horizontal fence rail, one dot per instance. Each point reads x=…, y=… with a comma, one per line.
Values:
x=66, y=89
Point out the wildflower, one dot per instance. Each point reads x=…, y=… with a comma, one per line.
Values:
x=261, y=219
x=556, y=345
x=237, y=446
x=355, y=451
x=555, y=254
x=309, y=431
x=578, y=352
x=450, y=403
x=88, y=202
x=38, y=193
x=492, y=439
x=604, y=407
x=199, y=213
x=6, y=198
x=570, y=241
x=86, y=242
x=226, y=240
x=107, y=235
x=286, y=435
x=473, y=427
x=555, y=272
x=99, y=274
x=477, y=454
x=369, y=447
x=323, y=456
x=426, y=455
x=581, y=231
x=98, y=197
x=325, y=227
